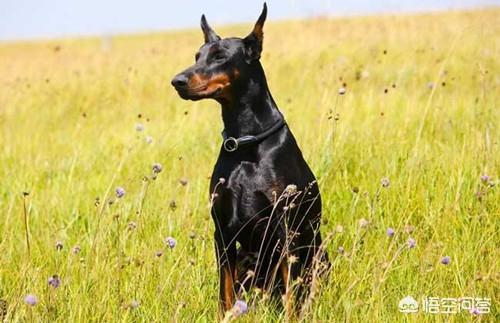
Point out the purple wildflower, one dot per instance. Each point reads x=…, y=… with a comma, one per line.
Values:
x=59, y=245
x=390, y=232
x=54, y=281
x=157, y=168
x=120, y=192
x=158, y=254
x=411, y=243
x=445, y=260
x=485, y=178
x=31, y=300
x=240, y=307
x=171, y=242
x=474, y=311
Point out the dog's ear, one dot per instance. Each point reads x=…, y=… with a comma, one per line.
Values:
x=208, y=32
x=253, y=42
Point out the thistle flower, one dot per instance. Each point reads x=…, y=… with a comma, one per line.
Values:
x=411, y=243
x=54, y=281
x=149, y=140
x=159, y=253
x=341, y=250
x=385, y=182
x=291, y=189
x=76, y=250
x=342, y=91
x=339, y=229
x=120, y=192
x=445, y=260
x=139, y=127
x=390, y=232
x=363, y=223
x=59, y=245
x=240, y=307
x=409, y=228
x=222, y=180
x=170, y=242
x=31, y=300
x=134, y=304
x=157, y=168
x=183, y=181
x=132, y=225
x=250, y=274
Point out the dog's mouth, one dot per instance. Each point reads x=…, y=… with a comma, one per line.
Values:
x=199, y=92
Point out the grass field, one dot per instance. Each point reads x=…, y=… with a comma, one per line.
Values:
x=420, y=115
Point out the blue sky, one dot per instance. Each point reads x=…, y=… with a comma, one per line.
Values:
x=32, y=19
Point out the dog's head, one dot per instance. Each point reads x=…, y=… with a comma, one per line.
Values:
x=220, y=63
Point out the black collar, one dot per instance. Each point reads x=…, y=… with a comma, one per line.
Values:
x=232, y=144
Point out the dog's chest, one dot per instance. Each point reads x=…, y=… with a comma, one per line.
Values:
x=244, y=194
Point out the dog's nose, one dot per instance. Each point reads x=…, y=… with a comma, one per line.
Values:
x=180, y=80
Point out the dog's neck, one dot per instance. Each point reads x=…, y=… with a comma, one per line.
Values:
x=251, y=109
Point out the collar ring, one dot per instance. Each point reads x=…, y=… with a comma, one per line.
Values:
x=230, y=144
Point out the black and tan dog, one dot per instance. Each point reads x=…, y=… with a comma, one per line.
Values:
x=264, y=195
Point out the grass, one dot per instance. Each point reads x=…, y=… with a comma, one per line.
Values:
x=420, y=109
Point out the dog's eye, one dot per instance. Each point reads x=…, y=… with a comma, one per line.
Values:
x=218, y=57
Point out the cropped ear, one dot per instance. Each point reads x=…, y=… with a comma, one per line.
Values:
x=253, y=42
x=208, y=32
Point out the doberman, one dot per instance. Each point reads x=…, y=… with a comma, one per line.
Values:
x=264, y=196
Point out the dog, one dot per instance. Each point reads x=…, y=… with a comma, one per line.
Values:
x=264, y=196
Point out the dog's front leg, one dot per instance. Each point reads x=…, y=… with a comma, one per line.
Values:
x=225, y=248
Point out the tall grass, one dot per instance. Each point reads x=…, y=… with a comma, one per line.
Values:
x=420, y=114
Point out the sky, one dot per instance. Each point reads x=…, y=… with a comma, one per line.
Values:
x=43, y=19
